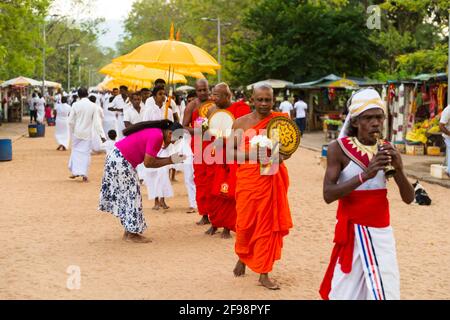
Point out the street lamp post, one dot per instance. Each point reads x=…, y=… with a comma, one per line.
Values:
x=43, y=51
x=68, y=64
x=219, y=42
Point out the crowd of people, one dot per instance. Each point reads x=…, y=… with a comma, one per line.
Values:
x=148, y=136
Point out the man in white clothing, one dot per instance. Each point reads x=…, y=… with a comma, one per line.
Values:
x=151, y=111
x=444, y=125
x=84, y=119
x=135, y=113
x=300, y=108
x=119, y=105
x=286, y=107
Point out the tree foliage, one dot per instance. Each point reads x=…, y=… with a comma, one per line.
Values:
x=22, y=24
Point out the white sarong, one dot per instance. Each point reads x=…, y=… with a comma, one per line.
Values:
x=374, y=274
x=62, y=133
x=80, y=158
x=158, y=180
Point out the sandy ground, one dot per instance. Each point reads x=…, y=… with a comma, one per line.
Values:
x=49, y=223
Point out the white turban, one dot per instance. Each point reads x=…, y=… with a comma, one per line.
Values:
x=359, y=102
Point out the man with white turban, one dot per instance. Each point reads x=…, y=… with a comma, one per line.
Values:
x=363, y=263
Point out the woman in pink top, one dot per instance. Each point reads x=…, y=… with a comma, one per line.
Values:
x=120, y=193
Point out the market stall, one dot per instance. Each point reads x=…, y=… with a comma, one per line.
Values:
x=14, y=94
x=415, y=106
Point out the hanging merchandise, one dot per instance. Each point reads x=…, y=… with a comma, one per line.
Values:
x=331, y=94
x=442, y=91
x=425, y=96
x=412, y=109
x=391, y=95
x=433, y=101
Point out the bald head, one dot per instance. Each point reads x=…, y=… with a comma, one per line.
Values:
x=201, y=82
x=221, y=95
x=262, y=99
x=261, y=87
x=223, y=88
x=202, y=89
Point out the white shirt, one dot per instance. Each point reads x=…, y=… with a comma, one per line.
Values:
x=445, y=119
x=108, y=115
x=119, y=103
x=39, y=103
x=300, y=108
x=286, y=107
x=62, y=110
x=84, y=118
x=153, y=113
x=58, y=98
x=151, y=101
x=133, y=116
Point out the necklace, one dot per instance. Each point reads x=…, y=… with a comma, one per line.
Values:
x=364, y=149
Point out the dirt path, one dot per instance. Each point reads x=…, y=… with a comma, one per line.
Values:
x=48, y=223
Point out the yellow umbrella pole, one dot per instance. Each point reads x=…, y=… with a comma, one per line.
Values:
x=166, y=109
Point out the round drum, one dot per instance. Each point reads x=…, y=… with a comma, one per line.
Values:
x=220, y=123
x=286, y=132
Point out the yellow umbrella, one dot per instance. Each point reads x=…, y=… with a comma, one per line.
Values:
x=171, y=54
x=139, y=72
x=112, y=83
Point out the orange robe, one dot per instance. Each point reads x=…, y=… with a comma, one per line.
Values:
x=263, y=215
x=222, y=211
x=203, y=174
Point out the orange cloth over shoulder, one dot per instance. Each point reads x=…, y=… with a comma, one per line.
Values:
x=222, y=211
x=263, y=214
x=203, y=173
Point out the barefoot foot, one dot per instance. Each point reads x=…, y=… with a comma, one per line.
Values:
x=266, y=282
x=137, y=238
x=211, y=231
x=226, y=234
x=239, y=269
x=204, y=220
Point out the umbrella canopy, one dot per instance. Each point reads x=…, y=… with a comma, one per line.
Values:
x=171, y=53
x=185, y=88
x=276, y=84
x=139, y=72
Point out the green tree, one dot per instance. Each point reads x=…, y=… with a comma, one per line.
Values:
x=21, y=24
x=300, y=40
x=150, y=20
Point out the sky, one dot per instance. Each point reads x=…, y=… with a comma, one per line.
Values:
x=114, y=12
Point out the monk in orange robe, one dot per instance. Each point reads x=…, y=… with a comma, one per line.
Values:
x=263, y=215
x=222, y=212
x=202, y=174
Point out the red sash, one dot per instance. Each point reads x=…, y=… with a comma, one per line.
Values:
x=366, y=207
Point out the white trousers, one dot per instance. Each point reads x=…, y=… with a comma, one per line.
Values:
x=80, y=157
x=374, y=274
x=188, y=171
x=447, y=153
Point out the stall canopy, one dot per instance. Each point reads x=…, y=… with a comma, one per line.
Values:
x=25, y=82
x=431, y=76
x=334, y=81
x=274, y=83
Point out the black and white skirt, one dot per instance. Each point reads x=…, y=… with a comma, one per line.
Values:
x=121, y=194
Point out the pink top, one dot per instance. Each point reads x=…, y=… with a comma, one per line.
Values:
x=135, y=146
